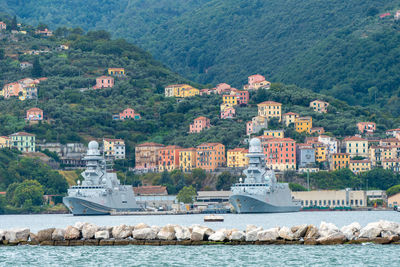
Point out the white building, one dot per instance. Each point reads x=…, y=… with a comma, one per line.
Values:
x=330, y=143
x=332, y=198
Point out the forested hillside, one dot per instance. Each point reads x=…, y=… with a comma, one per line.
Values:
x=338, y=47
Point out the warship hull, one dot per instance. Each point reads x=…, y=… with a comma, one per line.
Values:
x=81, y=207
x=249, y=204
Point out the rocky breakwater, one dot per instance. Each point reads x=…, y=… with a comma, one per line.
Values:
x=382, y=232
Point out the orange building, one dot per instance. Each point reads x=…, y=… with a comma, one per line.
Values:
x=146, y=156
x=210, y=156
x=104, y=82
x=168, y=158
x=366, y=127
x=280, y=153
x=128, y=113
x=199, y=124
x=12, y=89
x=339, y=161
x=34, y=114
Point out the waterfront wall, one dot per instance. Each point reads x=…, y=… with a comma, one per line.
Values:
x=382, y=232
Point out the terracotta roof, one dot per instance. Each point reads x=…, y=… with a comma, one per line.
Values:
x=188, y=149
x=354, y=138
x=150, y=144
x=391, y=160
x=105, y=77
x=270, y=103
x=317, y=100
x=341, y=154
x=112, y=140
x=201, y=118
x=239, y=149
x=150, y=190
x=34, y=109
x=171, y=147
x=281, y=140
x=3, y=193
x=209, y=144
x=291, y=113
x=22, y=134
x=392, y=130
x=390, y=140
x=360, y=161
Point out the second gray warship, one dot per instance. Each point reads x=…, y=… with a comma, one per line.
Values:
x=100, y=192
x=260, y=192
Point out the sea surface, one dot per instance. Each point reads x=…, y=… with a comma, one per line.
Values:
x=213, y=255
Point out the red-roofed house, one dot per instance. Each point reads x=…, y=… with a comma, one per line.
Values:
x=270, y=109
x=222, y=88
x=384, y=15
x=319, y=106
x=366, y=127
x=146, y=156
x=257, y=81
x=210, y=156
x=228, y=113
x=393, y=132
x=199, y=124
x=34, y=114
x=242, y=97
x=45, y=32
x=280, y=153
x=236, y=158
x=128, y=113
x=290, y=117
x=356, y=146
x=318, y=130
x=12, y=89
x=104, y=82
x=168, y=158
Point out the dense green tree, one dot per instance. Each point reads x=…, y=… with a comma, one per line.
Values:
x=393, y=190
x=297, y=187
x=225, y=181
x=187, y=194
x=28, y=193
x=37, y=70
x=1, y=54
x=380, y=179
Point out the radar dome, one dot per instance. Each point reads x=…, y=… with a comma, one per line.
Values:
x=93, y=145
x=93, y=149
x=255, y=146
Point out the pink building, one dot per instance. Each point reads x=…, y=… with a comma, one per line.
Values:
x=207, y=91
x=34, y=114
x=222, y=88
x=104, y=82
x=257, y=81
x=228, y=113
x=12, y=89
x=3, y=26
x=199, y=124
x=128, y=113
x=366, y=127
x=242, y=97
x=45, y=32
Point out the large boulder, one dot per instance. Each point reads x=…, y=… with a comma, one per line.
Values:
x=351, y=231
x=155, y=228
x=72, y=233
x=286, y=233
x=79, y=225
x=45, y=234
x=251, y=235
x=58, y=234
x=166, y=233
x=88, y=230
x=17, y=235
x=250, y=227
x=2, y=234
x=103, y=234
x=299, y=231
x=121, y=231
x=271, y=234
x=333, y=239
x=371, y=231
x=198, y=233
x=182, y=233
x=392, y=227
x=312, y=232
x=219, y=235
x=144, y=234
x=237, y=236
x=327, y=229
x=141, y=226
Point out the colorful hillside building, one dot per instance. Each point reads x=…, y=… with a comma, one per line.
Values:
x=256, y=82
x=104, y=82
x=391, y=164
x=257, y=124
x=24, y=142
x=128, y=113
x=305, y=155
x=236, y=158
x=199, y=124
x=222, y=88
x=317, y=130
x=289, y=118
x=146, y=157
x=280, y=153
x=270, y=109
x=319, y=106
x=34, y=114
x=114, y=148
x=329, y=142
x=358, y=166
x=210, y=156
x=3, y=26
x=242, y=97
x=366, y=127
x=12, y=90
x=187, y=159
x=181, y=91
x=274, y=133
x=25, y=64
x=5, y=142
x=168, y=158
x=230, y=100
x=228, y=113
x=45, y=33
x=356, y=146
x=303, y=124
x=339, y=161
x=117, y=72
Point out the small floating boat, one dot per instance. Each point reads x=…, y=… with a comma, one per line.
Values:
x=213, y=218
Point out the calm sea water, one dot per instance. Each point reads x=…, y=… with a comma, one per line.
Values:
x=296, y=255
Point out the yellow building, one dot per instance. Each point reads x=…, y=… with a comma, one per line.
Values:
x=274, y=133
x=289, y=118
x=116, y=71
x=320, y=152
x=358, y=166
x=187, y=159
x=270, y=109
x=339, y=161
x=391, y=164
x=236, y=158
x=303, y=124
x=319, y=106
x=114, y=148
x=181, y=90
x=356, y=146
x=229, y=100
x=5, y=142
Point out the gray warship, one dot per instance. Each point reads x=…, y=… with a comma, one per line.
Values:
x=260, y=192
x=100, y=192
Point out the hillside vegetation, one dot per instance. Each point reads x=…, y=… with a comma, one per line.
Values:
x=339, y=47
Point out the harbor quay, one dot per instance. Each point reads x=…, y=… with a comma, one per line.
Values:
x=88, y=234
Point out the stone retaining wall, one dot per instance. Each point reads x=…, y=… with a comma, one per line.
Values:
x=87, y=234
